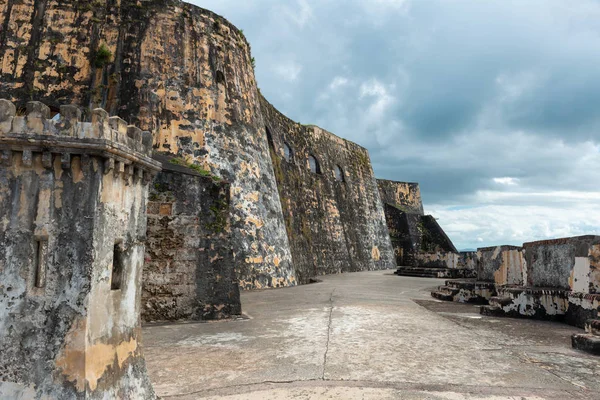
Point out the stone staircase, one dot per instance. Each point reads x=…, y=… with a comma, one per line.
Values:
x=590, y=340
x=465, y=291
x=434, y=272
x=422, y=272
x=496, y=306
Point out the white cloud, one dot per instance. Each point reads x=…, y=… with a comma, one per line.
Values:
x=288, y=71
x=379, y=96
x=337, y=82
x=506, y=181
x=502, y=219
x=301, y=14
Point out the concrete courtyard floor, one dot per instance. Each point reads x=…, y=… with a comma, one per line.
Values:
x=367, y=335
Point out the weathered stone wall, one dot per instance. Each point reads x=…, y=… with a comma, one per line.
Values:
x=418, y=240
x=189, y=272
x=179, y=71
x=72, y=231
x=503, y=265
x=405, y=196
x=568, y=263
x=434, y=239
x=404, y=234
x=467, y=260
x=582, y=307
x=335, y=222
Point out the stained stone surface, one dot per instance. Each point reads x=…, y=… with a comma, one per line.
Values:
x=367, y=334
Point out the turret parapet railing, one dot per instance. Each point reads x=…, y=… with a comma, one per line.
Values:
x=126, y=148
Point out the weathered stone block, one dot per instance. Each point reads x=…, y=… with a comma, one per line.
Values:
x=567, y=263
x=100, y=124
x=119, y=129
x=37, y=117
x=7, y=113
x=503, y=265
x=70, y=117
x=135, y=135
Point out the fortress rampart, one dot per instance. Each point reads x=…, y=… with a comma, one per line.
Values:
x=183, y=73
x=332, y=210
x=189, y=272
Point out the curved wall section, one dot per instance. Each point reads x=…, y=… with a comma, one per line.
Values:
x=174, y=69
x=332, y=209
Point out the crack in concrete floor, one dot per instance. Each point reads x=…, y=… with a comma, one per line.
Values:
x=328, y=333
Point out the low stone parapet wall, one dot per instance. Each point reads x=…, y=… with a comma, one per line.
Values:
x=503, y=265
x=567, y=263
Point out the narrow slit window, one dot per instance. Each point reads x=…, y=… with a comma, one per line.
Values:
x=41, y=254
x=313, y=163
x=339, y=174
x=117, y=267
x=287, y=152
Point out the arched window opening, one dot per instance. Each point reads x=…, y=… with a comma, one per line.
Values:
x=339, y=174
x=220, y=77
x=287, y=152
x=314, y=164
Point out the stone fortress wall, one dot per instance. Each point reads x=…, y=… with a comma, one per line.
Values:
x=405, y=196
x=189, y=272
x=421, y=246
x=72, y=231
x=333, y=213
x=174, y=69
x=186, y=75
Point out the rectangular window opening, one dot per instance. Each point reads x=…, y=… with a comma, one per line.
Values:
x=40, y=256
x=117, y=267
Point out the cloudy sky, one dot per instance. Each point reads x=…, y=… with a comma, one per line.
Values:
x=492, y=106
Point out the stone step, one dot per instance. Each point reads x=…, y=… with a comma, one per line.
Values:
x=592, y=327
x=470, y=284
x=416, y=274
x=445, y=293
x=447, y=289
x=499, y=301
x=422, y=269
x=491, y=311
x=586, y=342
x=442, y=295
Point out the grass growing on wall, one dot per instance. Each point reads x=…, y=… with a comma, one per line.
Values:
x=201, y=171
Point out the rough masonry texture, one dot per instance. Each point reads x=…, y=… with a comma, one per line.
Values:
x=556, y=279
x=72, y=231
x=189, y=272
x=332, y=210
x=183, y=73
x=421, y=246
x=405, y=196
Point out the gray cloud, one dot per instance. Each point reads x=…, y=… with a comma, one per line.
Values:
x=449, y=94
